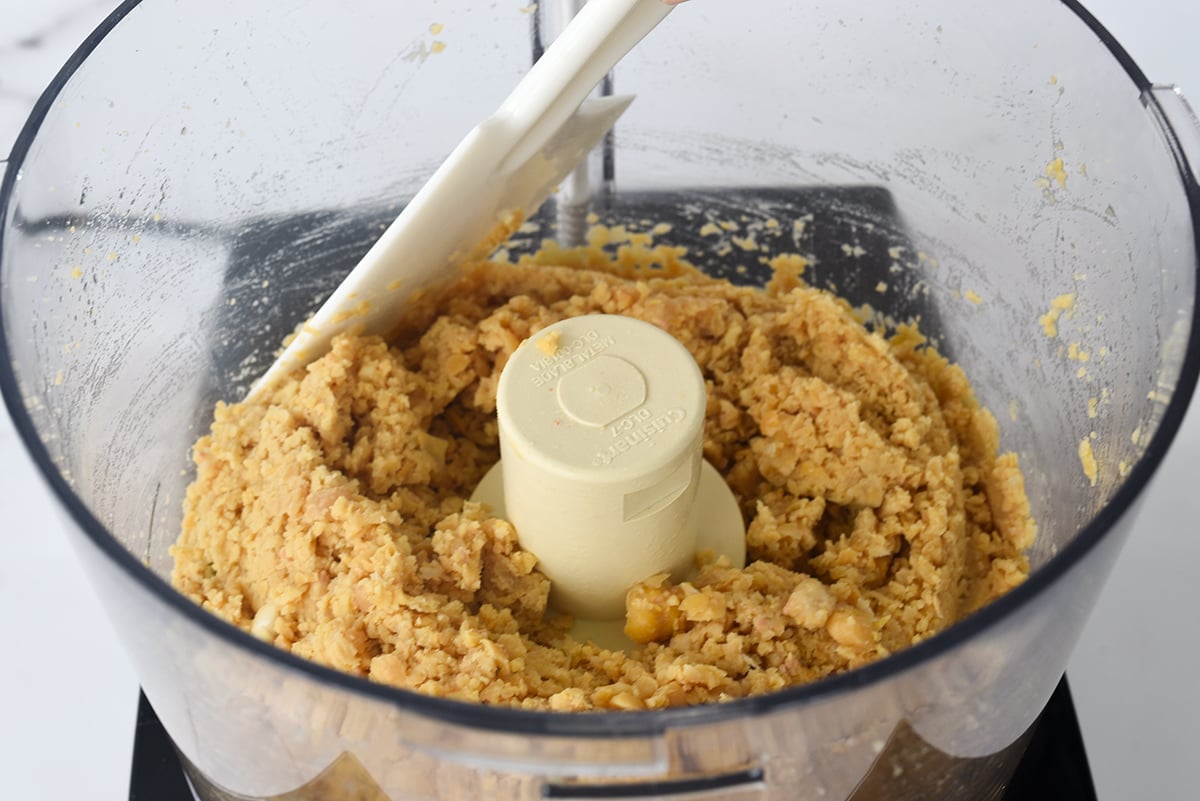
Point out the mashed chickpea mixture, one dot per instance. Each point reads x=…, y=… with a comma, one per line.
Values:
x=331, y=518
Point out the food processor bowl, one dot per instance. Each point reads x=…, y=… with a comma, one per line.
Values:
x=200, y=176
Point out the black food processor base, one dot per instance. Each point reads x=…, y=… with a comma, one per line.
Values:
x=1054, y=767
x=1055, y=764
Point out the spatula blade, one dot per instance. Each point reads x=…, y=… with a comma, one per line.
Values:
x=484, y=183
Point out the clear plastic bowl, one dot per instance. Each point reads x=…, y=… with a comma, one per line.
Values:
x=201, y=174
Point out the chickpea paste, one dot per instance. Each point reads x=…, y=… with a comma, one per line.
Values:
x=330, y=518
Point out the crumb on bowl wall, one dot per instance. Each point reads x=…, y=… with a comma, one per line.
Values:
x=1087, y=459
x=1060, y=305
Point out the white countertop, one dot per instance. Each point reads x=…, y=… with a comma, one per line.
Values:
x=66, y=719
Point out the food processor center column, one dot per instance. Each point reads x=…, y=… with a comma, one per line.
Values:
x=602, y=474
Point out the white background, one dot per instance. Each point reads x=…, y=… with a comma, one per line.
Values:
x=67, y=705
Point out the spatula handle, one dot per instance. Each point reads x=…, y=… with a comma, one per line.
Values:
x=587, y=49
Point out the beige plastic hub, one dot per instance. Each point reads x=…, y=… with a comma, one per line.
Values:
x=601, y=428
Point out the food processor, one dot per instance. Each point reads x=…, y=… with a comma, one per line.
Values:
x=200, y=176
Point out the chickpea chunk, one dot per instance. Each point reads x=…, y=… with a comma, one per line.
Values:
x=626, y=700
x=703, y=607
x=851, y=627
x=810, y=604
x=651, y=611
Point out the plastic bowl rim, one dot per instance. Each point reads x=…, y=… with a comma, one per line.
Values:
x=609, y=725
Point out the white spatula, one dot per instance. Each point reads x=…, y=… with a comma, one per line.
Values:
x=510, y=163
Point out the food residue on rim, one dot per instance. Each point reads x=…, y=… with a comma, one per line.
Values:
x=973, y=297
x=787, y=269
x=747, y=243
x=600, y=235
